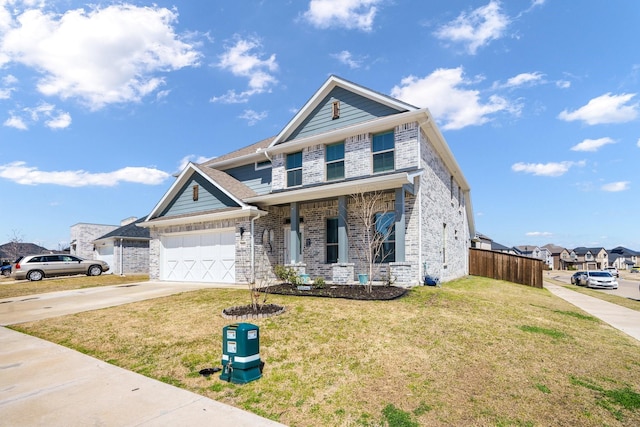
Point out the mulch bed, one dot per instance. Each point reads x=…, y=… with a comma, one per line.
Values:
x=357, y=292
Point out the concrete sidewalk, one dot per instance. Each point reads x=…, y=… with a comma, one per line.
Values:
x=621, y=318
x=44, y=384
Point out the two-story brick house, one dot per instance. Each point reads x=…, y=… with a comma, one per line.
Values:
x=287, y=199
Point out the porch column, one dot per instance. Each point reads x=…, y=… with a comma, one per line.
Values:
x=294, y=242
x=400, y=225
x=343, y=242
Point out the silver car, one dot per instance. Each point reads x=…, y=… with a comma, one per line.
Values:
x=601, y=280
x=37, y=267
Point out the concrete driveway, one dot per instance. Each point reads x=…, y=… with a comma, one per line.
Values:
x=45, y=384
x=42, y=306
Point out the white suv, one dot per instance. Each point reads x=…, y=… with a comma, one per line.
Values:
x=601, y=279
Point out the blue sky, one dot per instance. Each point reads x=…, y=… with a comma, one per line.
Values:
x=101, y=103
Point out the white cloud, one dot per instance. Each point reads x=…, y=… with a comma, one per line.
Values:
x=592, y=144
x=53, y=117
x=100, y=56
x=539, y=234
x=15, y=122
x=7, y=81
x=638, y=143
x=61, y=121
x=616, y=186
x=563, y=84
x=444, y=93
x=347, y=58
x=546, y=169
x=476, y=29
x=253, y=117
x=20, y=173
x=525, y=79
x=241, y=61
x=604, y=109
x=350, y=14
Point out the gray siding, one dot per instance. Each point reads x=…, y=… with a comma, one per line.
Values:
x=209, y=198
x=353, y=109
x=257, y=180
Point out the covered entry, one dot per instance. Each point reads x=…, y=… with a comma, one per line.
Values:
x=201, y=257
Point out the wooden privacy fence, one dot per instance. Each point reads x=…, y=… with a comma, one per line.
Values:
x=501, y=266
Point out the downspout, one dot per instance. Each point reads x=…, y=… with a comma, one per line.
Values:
x=121, y=258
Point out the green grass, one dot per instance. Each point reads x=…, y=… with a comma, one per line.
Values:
x=472, y=352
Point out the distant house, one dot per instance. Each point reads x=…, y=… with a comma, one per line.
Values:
x=561, y=257
x=288, y=199
x=623, y=258
x=82, y=236
x=481, y=242
x=125, y=249
x=589, y=258
x=497, y=247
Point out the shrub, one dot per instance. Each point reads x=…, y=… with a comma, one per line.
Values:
x=318, y=282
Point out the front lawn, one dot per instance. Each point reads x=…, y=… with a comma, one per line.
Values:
x=472, y=352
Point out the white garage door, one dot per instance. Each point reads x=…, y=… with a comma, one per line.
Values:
x=209, y=257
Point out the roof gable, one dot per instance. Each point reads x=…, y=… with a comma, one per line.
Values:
x=357, y=104
x=216, y=191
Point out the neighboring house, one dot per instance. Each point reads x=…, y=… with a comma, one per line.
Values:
x=623, y=258
x=82, y=236
x=530, y=251
x=125, y=249
x=561, y=257
x=546, y=257
x=481, y=242
x=286, y=199
x=590, y=258
x=497, y=247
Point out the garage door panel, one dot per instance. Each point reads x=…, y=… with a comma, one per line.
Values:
x=208, y=257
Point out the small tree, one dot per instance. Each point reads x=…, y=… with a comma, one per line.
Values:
x=258, y=279
x=12, y=249
x=369, y=211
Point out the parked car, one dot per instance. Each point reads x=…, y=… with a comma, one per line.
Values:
x=613, y=271
x=579, y=278
x=5, y=270
x=36, y=267
x=601, y=280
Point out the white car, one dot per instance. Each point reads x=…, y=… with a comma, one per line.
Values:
x=601, y=280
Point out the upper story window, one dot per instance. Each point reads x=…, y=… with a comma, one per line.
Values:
x=194, y=192
x=294, y=169
x=334, y=156
x=382, y=148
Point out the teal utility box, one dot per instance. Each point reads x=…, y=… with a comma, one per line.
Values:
x=241, y=353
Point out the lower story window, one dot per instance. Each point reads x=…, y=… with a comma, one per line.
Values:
x=332, y=240
x=385, y=232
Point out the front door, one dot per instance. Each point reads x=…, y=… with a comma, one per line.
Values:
x=287, y=243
